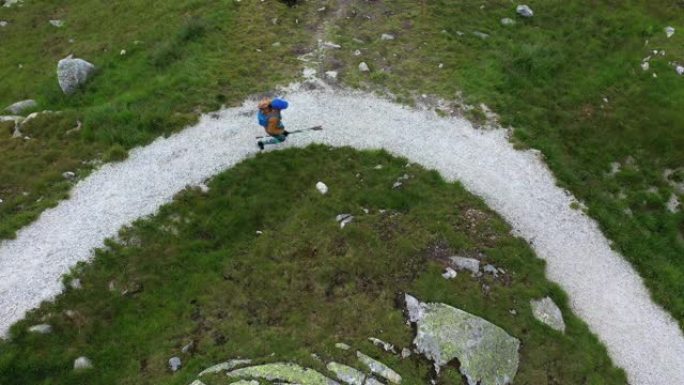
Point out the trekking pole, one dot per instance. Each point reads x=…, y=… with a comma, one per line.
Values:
x=314, y=128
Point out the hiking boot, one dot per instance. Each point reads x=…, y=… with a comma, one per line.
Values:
x=261, y=145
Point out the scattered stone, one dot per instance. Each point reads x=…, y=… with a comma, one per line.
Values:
x=462, y=263
x=379, y=368
x=75, y=284
x=363, y=67
x=513, y=312
x=225, y=366
x=491, y=269
x=357, y=53
x=680, y=70
x=488, y=355
x=342, y=345
x=546, y=311
x=440, y=66
x=19, y=107
x=123, y=52
x=69, y=175
x=3, y=23
x=346, y=374
x=344, y=219
x=331, y=74
x=387, y=36
x=203, y=188
x=9, y=3
x=42, y=329
x=322, y=188
x=386, y=346
x=175, y=364
x=669, y=31
x=57, y=23
x=645, y=66
x=524, y=11
x=329, y=44
x=615, y=168
x=507, y=22
x=73, y=73
x=481, y=35
x=287, y=372
x=259, y=232
x=405, y=353
x=397, y=184
x=449, y=273
x=673, y=204
x=82, y=363
x=188, y=348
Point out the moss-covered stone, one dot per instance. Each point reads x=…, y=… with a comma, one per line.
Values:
x=283, y=372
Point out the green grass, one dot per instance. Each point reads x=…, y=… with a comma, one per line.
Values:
x=197, y=271
x=548, y=77
x=182, y=58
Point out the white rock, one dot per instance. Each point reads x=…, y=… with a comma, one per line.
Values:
x=462, y=263
x=309, y=72
x=42, y=329
x=440, y=66
x=481, y=35
x=547, y=312
x=680, y=70
x=57, y=23
x=73, y=73
x=357, y=53
x=645, y=66
x=673, y=204
x=405, y=353
x=342, y=345
x=175, y=364
x=68, y=175
x=203, y=188
x=18, y=107
x=322, y=188
x=329, y=44
x=3, y=23
x=123, y=52
x=507, y=21
x=198, y=382
x=82, y=363
x=75, y=284
x=396, y=185
x=669, y=31
x=225, y=366
x=363, y=67
x=386, y=346
x=449, y=273
x=9, y=3
x=387, y=36
x=331, y=74
x=379, y=368
x=346, y=374
x=491, y=269
x=524, y=10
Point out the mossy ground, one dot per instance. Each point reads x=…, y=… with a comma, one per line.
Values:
x=198, y=271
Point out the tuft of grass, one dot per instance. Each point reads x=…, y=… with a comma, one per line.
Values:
x=198, y=271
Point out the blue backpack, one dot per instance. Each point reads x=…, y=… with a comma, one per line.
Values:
x=278, y=104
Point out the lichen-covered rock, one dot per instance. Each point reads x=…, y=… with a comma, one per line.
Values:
x=379, y=368
x=346, y=374
x=72, y=73
x=487, y=353
x=18, y=107
x=283, y=372
x=546, y=311
x=225, y=366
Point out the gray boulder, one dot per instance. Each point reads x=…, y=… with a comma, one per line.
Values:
x=462, y=263
x=488, y=355
x=363, y=67
x=175, y=364
x=73, y=73
x=546, y=311
x=524, y=11
x=18, y=107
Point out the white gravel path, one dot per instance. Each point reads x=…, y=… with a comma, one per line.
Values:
x=604, y=290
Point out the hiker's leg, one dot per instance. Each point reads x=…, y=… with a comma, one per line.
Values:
x=274, y=139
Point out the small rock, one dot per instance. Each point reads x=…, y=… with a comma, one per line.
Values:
x=524, y=11
x=69, y=175
x=405, y=353
x=73, y=73
x=462, y=263
x=673, y=204
x=346, y=221
x=342, y=345
x=329, y=44
x=3, y=23
x=331, y=74
x=378, y=167
x=9, y=3
x=175, y=364
x=547, y=312
x=82, y=363
x=513, y=312
x=57, y=23
x=386, y=346
x=347, y=374
x=203, y=188
x=669, y=31
x=276, y=44
x=387, y=36
x=123, y=52
x=645, y=66
x=112, y=285
x=440, y=66
x=75, y=284
x=42, y=329
x=491, y=269
x=259, y=232
x=363, y=67
x=481, y=35
x=379, y=368
x=507, y=22
x=18, y=107
x=322, y=188
x=680, y=70
x=357, y=53
x=188, y=348
x=396, y=185
x=449, y=273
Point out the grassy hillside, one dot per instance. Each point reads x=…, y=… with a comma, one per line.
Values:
x=198, y=271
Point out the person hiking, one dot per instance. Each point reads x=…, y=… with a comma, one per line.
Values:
x=271, y=120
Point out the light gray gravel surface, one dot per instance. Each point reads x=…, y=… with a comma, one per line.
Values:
x=604, y=290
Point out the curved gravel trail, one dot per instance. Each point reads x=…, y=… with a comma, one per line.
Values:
x=603, y=288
